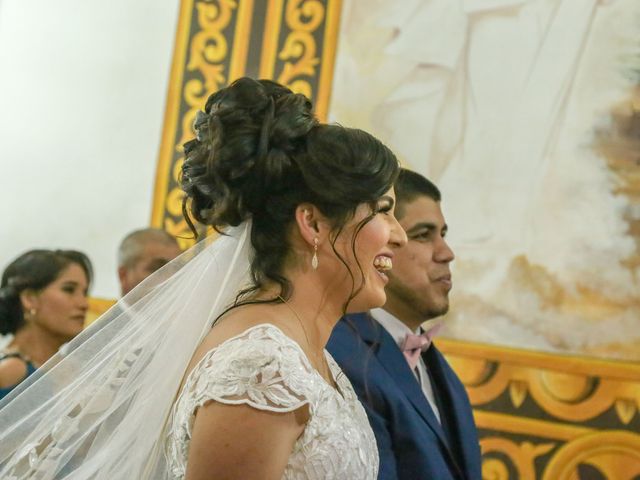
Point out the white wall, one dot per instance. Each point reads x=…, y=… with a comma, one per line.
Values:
x=82, y=94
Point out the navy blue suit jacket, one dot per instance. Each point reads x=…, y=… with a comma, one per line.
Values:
x=411, y=442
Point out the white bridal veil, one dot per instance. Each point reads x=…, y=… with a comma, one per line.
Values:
x=98, y=410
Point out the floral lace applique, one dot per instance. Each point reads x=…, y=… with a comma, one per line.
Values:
x=265, y=369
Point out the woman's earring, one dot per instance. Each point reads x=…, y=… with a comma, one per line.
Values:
x=32, y=312
x=314, y=259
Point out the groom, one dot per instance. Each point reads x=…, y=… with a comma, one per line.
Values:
x=417, y=406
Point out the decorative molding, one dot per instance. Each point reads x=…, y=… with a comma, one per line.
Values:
x=552, y=417
x=299, y=47
x=210, y=51
x=214, y=42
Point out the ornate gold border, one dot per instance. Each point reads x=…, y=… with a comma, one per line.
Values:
x=172, y=109
x=515, y=356
x=329, y=51
x=213, y=41
x=270, y=38
x=568, y=388
x=536, y=411
x=241, y=38
x=299, y=47
x=212, y=45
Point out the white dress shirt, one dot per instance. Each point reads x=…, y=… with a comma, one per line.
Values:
x=398, y=332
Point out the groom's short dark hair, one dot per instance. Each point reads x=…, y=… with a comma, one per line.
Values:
x=411, y=185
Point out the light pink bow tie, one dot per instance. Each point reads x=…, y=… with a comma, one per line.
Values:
x=414, y=345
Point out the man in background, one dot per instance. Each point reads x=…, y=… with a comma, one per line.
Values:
x=417, y=406
x=141, y=253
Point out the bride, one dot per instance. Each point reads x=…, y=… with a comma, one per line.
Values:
x=152, y=391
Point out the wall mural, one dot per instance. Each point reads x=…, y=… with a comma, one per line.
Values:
x=527, y=114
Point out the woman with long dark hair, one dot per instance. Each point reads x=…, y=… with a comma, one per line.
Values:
x=43, y=304
x=306, y=211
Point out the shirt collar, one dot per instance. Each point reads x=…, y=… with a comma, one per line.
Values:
x=393, y=325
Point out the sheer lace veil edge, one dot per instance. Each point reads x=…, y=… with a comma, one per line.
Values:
x=99, y=407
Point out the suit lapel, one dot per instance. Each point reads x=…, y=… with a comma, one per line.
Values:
x=391, y=358
x=452, y=395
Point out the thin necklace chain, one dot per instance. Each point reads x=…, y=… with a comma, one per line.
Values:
x=322, y=361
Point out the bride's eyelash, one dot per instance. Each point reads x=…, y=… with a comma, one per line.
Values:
x=385, y=208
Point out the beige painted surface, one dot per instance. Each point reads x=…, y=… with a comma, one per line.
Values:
x=525, y=113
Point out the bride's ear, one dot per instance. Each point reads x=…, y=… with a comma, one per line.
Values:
x=312, y=225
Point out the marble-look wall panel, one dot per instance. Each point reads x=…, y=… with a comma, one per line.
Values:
x=526, y=113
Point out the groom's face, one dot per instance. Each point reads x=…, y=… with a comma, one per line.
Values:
x=420, y=280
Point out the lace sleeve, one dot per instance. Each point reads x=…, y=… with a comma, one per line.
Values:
x=261, y=368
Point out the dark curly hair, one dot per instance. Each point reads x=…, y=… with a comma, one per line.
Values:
x=33, y=270
x=259, y=152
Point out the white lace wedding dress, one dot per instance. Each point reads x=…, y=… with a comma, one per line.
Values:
x=265, y=369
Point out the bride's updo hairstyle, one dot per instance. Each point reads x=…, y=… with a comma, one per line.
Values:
x=259, y=152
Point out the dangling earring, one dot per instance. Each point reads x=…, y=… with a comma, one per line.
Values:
x=32, y=312
x=314, y=259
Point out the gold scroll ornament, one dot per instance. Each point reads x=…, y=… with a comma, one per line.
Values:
x=212, y=51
